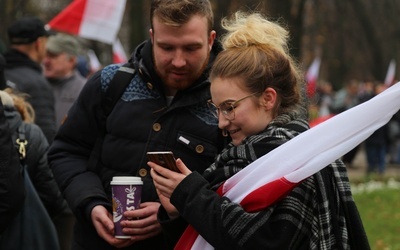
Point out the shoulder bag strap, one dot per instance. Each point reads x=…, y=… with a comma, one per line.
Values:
x=21, y=143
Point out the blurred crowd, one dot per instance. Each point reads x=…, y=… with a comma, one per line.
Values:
x=41, y=75
x=383, y=146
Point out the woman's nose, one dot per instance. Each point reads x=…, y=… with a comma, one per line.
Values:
x=222, y=121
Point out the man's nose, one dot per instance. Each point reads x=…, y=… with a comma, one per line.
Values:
x=179, y=59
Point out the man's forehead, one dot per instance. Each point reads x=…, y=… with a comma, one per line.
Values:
x=199, y=19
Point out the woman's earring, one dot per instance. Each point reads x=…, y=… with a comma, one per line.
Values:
x=224, y=133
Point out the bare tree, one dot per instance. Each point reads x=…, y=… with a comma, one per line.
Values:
x=355, y=39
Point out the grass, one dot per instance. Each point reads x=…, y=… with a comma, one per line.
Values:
x=379, y=207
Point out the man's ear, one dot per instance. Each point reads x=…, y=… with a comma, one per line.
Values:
x=211, y=39
x=73, y=60
x=151, y=36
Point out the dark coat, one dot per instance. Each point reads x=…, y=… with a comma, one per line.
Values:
x=141, y=121
x=37, y=165
x=11, y=181
x=28, y=78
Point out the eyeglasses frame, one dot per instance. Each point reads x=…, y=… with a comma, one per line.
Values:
x=233, y=105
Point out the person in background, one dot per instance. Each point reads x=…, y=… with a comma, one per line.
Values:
x=60, y=64
x=344, y=99
x=164, y=108
x=256, y=95
x=20, y=113
x=394, y=139
x=376, y=145
x=325, y=92
x=83, y=66
x=27, y=50
x=12, y=191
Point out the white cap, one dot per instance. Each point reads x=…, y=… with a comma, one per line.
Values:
x=126, y=180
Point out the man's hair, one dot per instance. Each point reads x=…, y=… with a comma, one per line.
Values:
x=178, y=12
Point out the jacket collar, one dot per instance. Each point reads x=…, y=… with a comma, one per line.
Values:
x=14, y=59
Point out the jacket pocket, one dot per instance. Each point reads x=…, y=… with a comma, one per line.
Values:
x=199, y=145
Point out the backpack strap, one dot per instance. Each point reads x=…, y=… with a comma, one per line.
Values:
x=117, y=87
x=113, y=93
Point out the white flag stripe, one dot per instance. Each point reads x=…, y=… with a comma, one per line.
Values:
x=317, y=147
x=390, y=73
x=102, y=19
x=119, y=51
x=95, y=64
x=313, y=70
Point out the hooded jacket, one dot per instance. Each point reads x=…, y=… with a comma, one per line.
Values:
x=12, y=191
x=141, y=121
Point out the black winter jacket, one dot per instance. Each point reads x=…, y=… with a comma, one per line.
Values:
x=28, y=78
x=37, y=164
x=12, y=192
x=141, y=121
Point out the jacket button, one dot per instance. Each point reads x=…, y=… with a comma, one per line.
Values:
x=199, y=149
x=142, y=172
x=149, y=85
x=156, y=127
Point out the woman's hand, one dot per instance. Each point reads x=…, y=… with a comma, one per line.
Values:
x=166, y=181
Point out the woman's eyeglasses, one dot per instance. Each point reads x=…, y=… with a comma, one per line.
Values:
x=227, y=108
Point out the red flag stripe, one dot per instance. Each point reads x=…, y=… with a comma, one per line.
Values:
x=74, y=14
x=267, y=195
x=255, y=201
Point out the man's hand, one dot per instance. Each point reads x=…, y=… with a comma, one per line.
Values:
x=104, y=225
x=143, y=222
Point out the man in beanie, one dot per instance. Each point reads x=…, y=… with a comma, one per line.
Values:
x=28, y=37
x=60, y=64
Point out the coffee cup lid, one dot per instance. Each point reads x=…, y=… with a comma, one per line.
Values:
x=126, y=180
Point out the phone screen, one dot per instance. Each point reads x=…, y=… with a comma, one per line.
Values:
x=163, y=158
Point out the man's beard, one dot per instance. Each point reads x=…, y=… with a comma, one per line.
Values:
x=189, y=82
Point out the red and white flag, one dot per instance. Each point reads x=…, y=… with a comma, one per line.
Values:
x=99, y=20
x=119, y=55
x=390, y=73
x=94, y=62
x=312, y=76
x=261, y=183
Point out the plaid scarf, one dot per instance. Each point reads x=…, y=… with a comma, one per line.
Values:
x=234, y=158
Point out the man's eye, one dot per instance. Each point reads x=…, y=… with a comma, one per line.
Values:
x=167, y=48
x=192, y=48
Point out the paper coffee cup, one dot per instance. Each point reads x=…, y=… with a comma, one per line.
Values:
x=126, y=195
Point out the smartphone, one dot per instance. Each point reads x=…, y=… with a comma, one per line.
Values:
x=163, y=158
